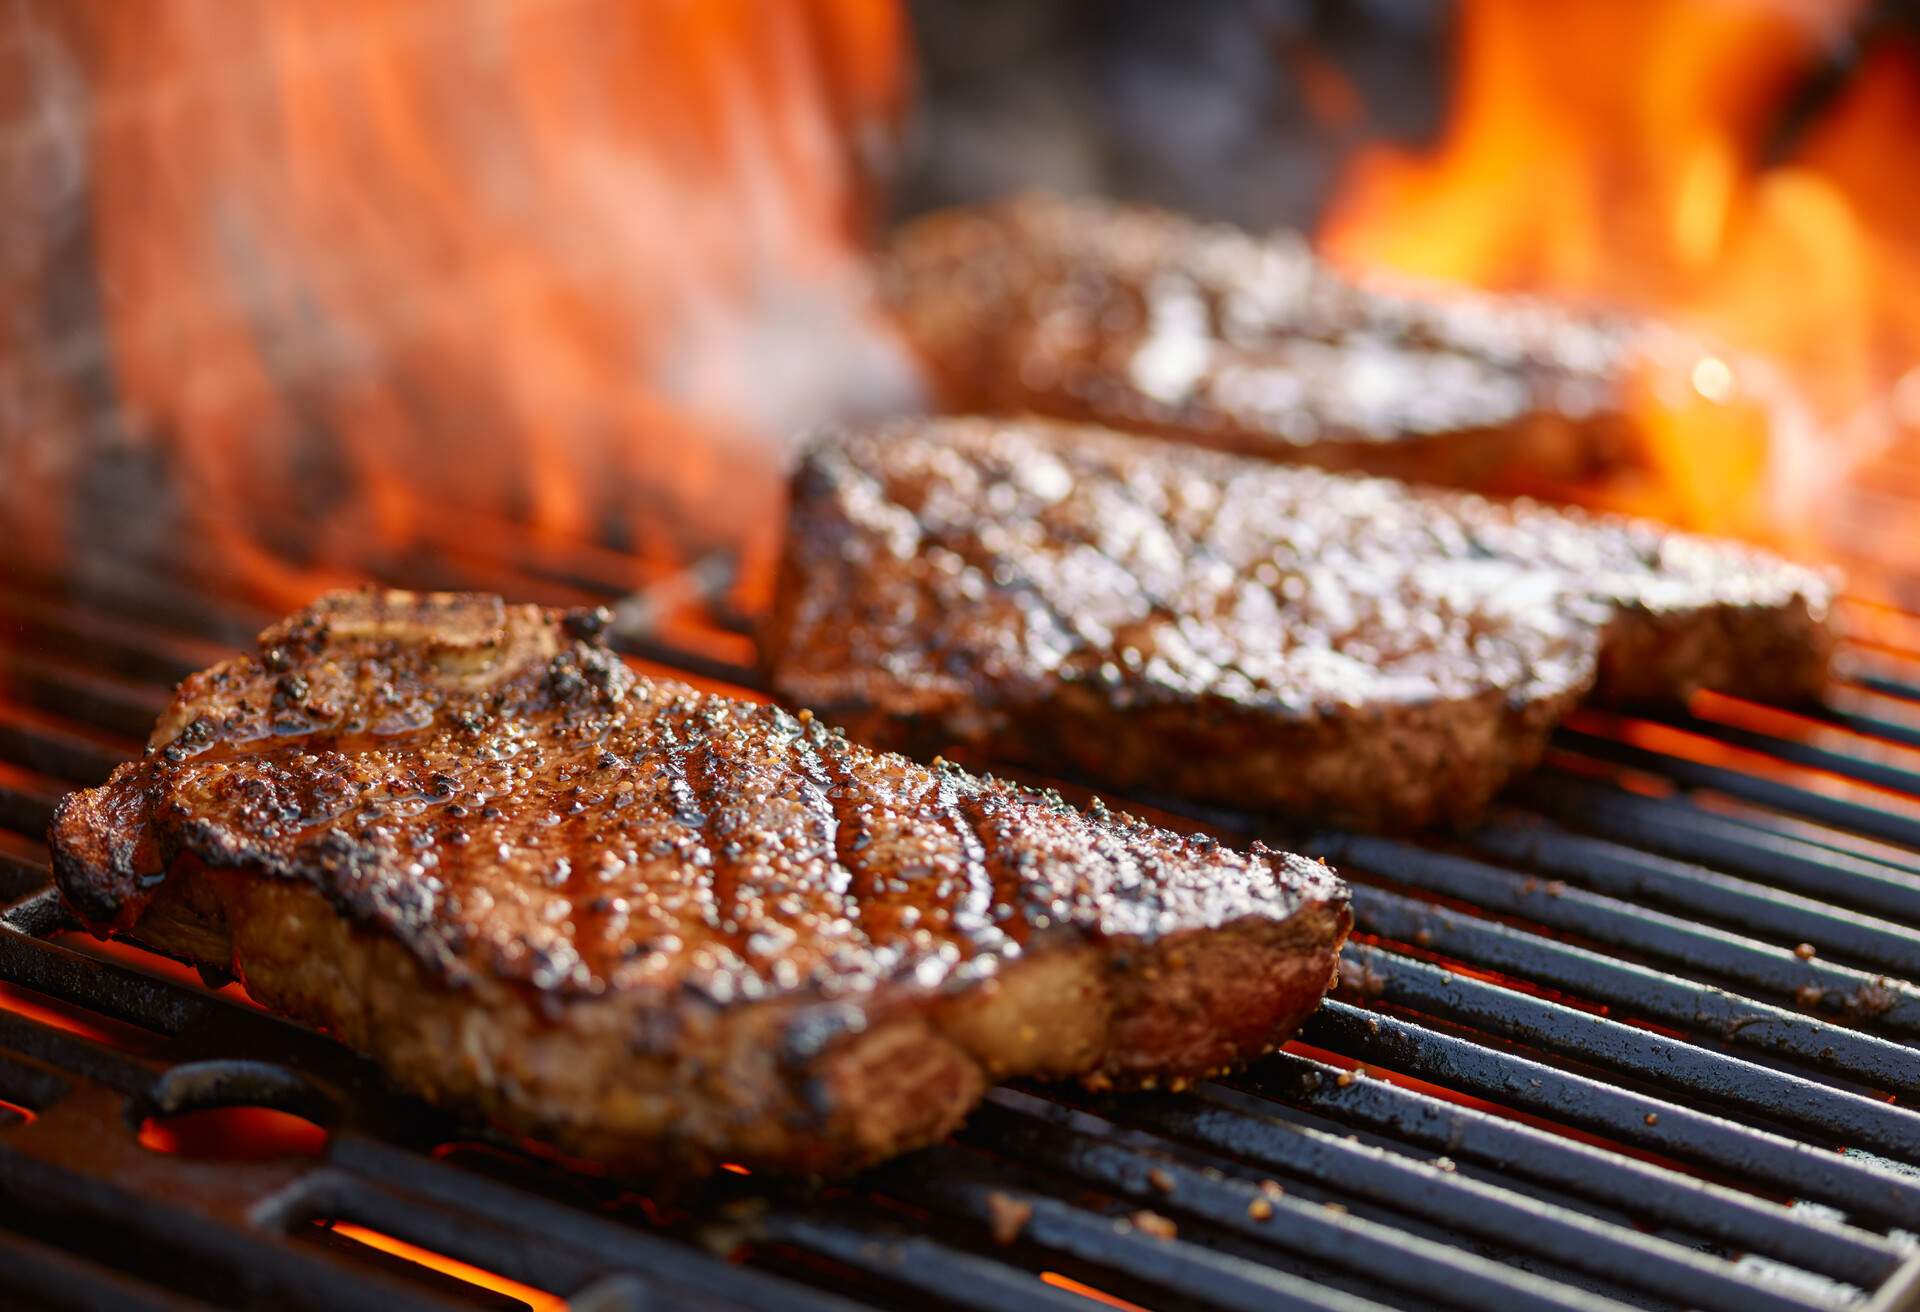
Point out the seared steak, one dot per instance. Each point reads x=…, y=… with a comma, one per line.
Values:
x=662, y=928
x=1333, y=647
x=1144, y=320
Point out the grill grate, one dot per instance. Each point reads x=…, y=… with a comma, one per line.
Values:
x=1647, y=1039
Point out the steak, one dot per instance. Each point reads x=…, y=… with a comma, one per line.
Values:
x=657, y=927
x=1144, y=320
x=1273, y=638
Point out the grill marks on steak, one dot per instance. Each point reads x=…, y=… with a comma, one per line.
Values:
x=1274, y=638
x=1141, y=319
x=660, y=927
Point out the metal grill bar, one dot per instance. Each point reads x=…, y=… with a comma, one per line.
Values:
x=912, y=1260
x=1244, y=1128
x=118, y=646
x=1130, y=1163
x=129, y=599
x=267, y=1266
x=1873, y=821
x=332, y=1195
x=1638, y=990
x=1905, y=689
x=23, y=865
x=51, y=1278
x=1677, y=829
x=1532, y=1216
x=1621, y=872
x=103, y=701
x=1874, y=1000
x=1819, y=837
x=1825, y=1112
x=1866, y=725
x=1847, y=765
x=52, y=1049
x=1221, y=1279
x=62, y=751
x=102, y=987
x=1627, y=1184
x=667, y=1266
x=1644, y=1120
x=1900, y=1294
x=27, y=799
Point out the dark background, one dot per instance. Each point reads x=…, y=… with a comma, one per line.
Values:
x=1242, y=110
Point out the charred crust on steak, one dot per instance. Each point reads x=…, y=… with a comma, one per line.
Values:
x=587, y=624
x=662, y=927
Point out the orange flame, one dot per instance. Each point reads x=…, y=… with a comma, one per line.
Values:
x=1616, y=151
x=374, y=272
x=537, y=1300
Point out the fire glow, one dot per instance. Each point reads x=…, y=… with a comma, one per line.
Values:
x=371, y=273
x=421, y=278
x=536, y=1300
x=1647, y=155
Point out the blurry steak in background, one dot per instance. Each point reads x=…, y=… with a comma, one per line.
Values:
x=1143, y=319
x=1733, y=169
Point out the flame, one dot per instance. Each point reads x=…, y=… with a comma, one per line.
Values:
x=1617, y=152
x=374, y=273
x=537, y=1300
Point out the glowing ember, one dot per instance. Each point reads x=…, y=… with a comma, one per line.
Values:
x=150, y=963
x=77, y=1021
x=537, y=1300
x=233, y=1134
x=1618, y=152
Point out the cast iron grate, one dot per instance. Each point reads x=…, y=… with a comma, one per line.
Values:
x=1647, y=1039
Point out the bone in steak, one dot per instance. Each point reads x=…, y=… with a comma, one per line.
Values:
x=1149, y=321
x=1274, y=638
x=658, y=927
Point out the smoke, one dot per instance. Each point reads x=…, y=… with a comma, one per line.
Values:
x=356, y=270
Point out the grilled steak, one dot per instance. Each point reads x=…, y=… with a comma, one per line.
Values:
x=658, y=927
x=1148, y=321
x=1230, y=630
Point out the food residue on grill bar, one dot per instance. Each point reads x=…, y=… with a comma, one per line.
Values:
x=1091, y=310
x=660, y=928
x=1331, y=647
